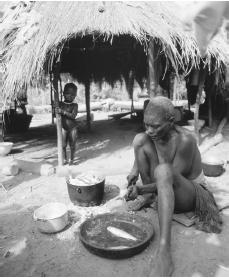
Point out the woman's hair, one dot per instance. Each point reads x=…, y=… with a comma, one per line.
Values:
x=161, y=106
x=69, y=86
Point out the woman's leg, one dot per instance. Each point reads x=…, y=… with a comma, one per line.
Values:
x=174, y=193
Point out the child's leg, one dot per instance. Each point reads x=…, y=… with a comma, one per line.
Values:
x=73, y=134
x=64, y=137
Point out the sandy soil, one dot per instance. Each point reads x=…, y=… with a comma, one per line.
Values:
x=108, y=149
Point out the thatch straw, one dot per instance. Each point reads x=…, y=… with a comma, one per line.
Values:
x=61, y=21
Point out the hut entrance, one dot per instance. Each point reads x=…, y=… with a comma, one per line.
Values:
x=90, y=59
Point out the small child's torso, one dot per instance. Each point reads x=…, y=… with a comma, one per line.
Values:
x=68, y=123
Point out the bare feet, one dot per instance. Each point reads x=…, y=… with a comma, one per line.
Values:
x=162, y=265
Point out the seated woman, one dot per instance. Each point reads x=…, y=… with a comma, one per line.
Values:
x=169, y=164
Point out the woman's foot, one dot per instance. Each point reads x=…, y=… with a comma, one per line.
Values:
x=140, y=202
x=162, y=265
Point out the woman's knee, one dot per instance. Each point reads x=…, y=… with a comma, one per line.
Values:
x=140, y=139
x=163, y=171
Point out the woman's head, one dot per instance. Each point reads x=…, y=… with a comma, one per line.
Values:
x=159, y=117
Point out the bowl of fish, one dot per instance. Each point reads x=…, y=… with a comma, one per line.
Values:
x=86, y=189
x=116, y=235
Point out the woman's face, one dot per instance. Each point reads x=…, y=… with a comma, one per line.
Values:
x=157, y=127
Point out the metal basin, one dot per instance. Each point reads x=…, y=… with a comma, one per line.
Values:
x=51, y=218
x=97, y=239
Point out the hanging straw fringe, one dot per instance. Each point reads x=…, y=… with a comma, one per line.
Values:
x=207, y=211
x=26, y=50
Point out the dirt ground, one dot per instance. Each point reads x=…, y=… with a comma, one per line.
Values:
x=107, y=149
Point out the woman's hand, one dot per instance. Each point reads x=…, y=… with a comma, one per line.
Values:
x=132, y=193
x=132, y=179
x=132, y=188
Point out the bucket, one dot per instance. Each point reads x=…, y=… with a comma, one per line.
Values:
x=213, y=167
x=5, y=148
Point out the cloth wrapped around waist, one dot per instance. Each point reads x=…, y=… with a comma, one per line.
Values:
x=207, y=213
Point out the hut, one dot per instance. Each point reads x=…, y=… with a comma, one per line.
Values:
x=97, y=41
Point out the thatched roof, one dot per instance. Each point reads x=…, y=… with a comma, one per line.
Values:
x=33, y=38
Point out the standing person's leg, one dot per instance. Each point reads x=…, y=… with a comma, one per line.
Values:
x=174, y=192
x=73, y=134
x=64, y=136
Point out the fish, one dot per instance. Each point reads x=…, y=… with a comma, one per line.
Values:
x=120, y=247
x=121, y=233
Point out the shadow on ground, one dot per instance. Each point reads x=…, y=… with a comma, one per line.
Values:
x=104, y=138
x=38, y=144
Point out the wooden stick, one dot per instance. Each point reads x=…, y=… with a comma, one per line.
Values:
x=87, y=98
x=215, y=140
x=2, y=185
x=197, y=106
x=130, y=89
x=58, y=116
x=221, y=125
x=151, y=81
x=51, y=98
x=196, y=114
x=209, y=110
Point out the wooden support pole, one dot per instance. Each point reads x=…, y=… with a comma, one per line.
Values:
x=1, y=133
x=175, y=89
x=51, y=98
x=56, y=72
x=202, y=73
x=131, y=90
x=87, y=99
x=152, y=81
x=210, y=110
x=61, y=90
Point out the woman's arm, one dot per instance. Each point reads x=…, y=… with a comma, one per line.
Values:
x=147, y=188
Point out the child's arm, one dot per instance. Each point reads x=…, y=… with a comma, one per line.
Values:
x=71, y=115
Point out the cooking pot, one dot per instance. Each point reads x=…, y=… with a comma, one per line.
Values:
x=213, y=167
x=86, y=195
x=51, y=218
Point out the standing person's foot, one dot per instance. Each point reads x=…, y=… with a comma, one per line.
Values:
x=71, y=162
x=162, y=265
x=65, y=161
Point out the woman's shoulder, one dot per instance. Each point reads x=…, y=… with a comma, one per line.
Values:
x=185, y=136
